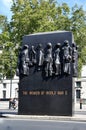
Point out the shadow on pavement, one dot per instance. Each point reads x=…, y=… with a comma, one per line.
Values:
x=8, y=111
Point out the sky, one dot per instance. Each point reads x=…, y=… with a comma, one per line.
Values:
x=5, y=8
x=6, y=4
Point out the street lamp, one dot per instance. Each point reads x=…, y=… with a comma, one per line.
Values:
x=10, y=78
x=80, y=98
x=1, y=74
x=10, y=73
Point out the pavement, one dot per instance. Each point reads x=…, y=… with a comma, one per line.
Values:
x=79, y=114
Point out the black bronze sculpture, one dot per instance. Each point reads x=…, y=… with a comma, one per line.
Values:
x=40, y=56
x=24, y=61
x=66, y=57
x=48, y=60
x=18, y=62
x=32, y=56
x=75, y=59
x=56, y=58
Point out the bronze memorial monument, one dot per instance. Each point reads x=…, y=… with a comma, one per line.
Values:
x=47, y=63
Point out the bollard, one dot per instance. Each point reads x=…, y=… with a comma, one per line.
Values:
x=80, y=103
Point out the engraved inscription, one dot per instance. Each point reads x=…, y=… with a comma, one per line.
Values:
x=52, y=93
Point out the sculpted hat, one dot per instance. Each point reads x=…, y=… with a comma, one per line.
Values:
x=49, y=44
x=58, y=44
x=26, y=46
x=66, y=42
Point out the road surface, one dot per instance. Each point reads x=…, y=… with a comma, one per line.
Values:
x=28, y=124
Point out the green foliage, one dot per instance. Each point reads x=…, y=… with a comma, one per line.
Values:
x=2, y=21
x=78, y=27
x=31, y=16
x=8, y=58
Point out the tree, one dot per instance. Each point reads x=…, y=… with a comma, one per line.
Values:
x=62, y=19
x=2, y=22
x=8, y=58
x=30, y=16
x=78, y=27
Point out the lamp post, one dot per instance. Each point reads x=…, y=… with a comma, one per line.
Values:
x=10, y=74
x=80, y=99
x=0, y=66
x=10, y=79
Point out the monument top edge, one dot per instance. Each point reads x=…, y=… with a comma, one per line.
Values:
x=40, y=33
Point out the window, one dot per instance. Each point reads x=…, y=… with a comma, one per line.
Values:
x=78, y=84
x=4, y=94
x=4, y=85
x=78, y=93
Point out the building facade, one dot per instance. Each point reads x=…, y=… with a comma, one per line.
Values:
x=80, y=86
x=9, y=88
